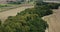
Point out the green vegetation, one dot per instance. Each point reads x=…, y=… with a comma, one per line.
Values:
x=5, y=7
x=12, y=2
x=29, y=20
x=0, y=22
x=20, y=1
x=26, y=23
x=49, y=5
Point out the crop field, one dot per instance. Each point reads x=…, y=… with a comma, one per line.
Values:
x=4, y=7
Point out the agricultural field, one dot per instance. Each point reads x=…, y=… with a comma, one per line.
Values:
x=4, y=7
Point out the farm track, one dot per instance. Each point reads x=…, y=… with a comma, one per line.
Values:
x=53, y=21
x=12, y=12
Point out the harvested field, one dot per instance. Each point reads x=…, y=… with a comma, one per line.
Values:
x=53, y=21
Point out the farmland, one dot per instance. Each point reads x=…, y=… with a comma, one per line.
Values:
x=4, y=7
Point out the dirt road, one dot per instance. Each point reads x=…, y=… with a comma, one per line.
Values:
x=53, y=21
x=12, y=12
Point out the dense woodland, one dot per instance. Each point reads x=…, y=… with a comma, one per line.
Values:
x=29, y=20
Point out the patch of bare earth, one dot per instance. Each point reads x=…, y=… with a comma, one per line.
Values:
x=53, y=21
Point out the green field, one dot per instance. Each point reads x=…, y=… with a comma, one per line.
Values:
x=4, y=7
